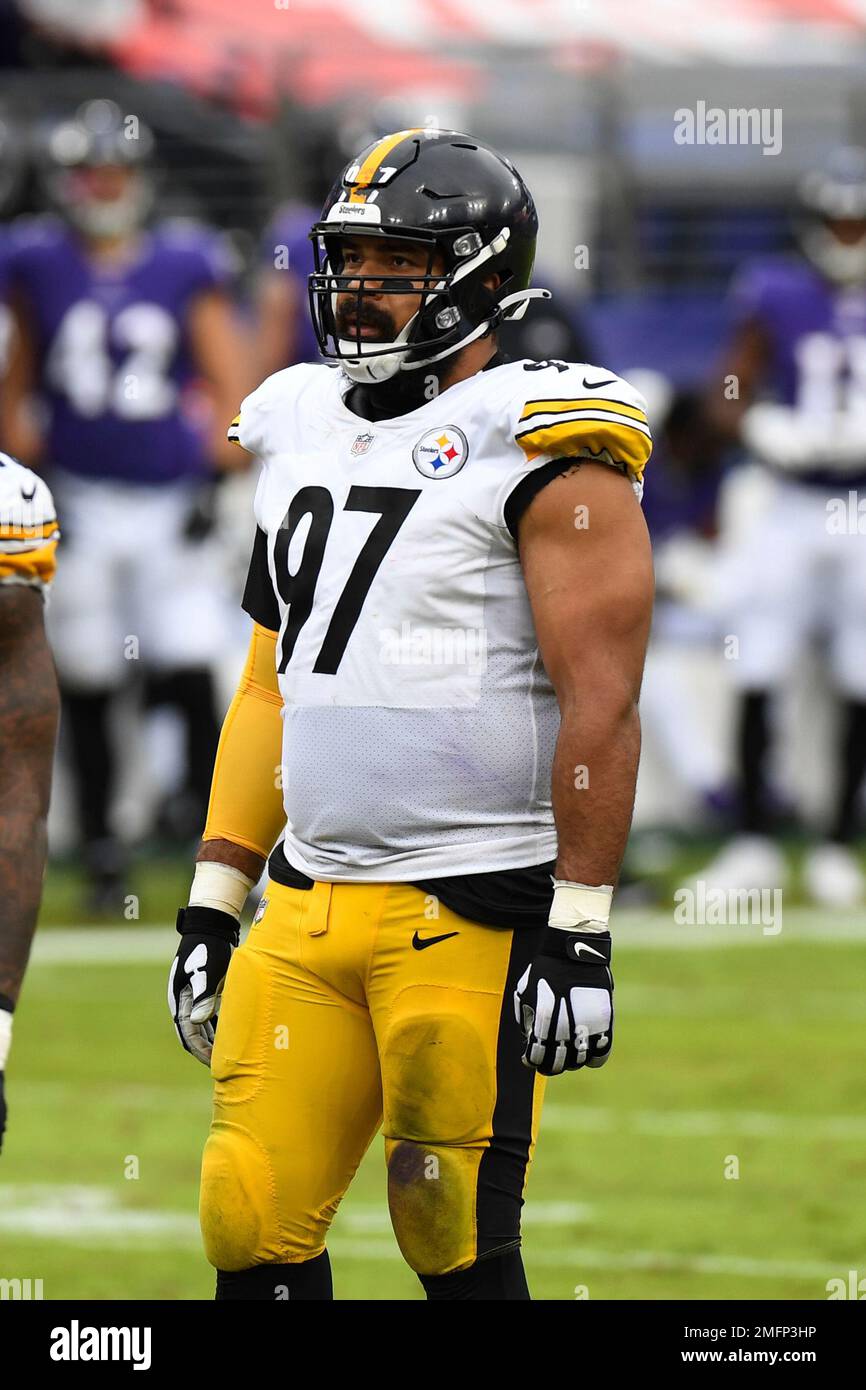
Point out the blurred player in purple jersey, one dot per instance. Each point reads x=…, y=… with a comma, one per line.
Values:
x=798, y=357
x=123, y=335
x=284, y=331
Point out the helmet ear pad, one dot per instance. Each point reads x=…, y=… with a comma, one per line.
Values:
x=478, y=301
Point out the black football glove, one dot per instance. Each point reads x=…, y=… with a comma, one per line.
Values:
x=564, y=1002
x=198, y=974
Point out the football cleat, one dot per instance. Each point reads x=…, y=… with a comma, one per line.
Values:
x=833, y=877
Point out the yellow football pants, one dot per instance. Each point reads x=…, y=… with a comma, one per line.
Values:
x=348, y=1005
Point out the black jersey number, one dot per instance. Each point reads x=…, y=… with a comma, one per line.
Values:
x=298, y=590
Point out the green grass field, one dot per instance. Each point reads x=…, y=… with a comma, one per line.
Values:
x=733, y=1048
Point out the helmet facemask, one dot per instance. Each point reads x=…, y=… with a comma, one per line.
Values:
x=447, y=318
x=832, y=198
x=103, y=217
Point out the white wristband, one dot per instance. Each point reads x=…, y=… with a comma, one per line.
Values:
x=220, y=886
x=5, y=1036
x=580, y=905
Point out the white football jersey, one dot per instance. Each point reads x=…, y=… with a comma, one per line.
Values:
x=28, y=527
x=419, y=723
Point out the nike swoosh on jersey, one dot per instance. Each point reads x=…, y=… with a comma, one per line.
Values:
x=594, y=385
x=421, y=943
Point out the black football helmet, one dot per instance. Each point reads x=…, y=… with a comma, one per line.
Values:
x=832, y=198
x=463, y=201
x=99, y=136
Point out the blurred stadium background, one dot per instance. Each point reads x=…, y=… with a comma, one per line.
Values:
x=734, y=1044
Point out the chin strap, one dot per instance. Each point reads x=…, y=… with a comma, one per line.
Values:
x=521, y=299
x=518, y=301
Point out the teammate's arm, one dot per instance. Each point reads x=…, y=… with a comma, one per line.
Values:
x=221, y=354
x=586, y=559
x=20, y=435
x=245, y=817
x=29, y=708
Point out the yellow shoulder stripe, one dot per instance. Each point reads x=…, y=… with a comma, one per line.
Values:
x=561, y=407
x=623, y=443
x=38, y=565
x=232, y=432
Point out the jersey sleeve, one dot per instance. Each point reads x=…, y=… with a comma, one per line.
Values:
x=564, y=412
x=249, y=428
x=196, y=260
x=259, y=599
x=260, y=424
x=28, y=527
x=584, y=414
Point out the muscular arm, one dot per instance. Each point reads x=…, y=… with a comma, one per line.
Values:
x=29, y=707
x=591, y=596
x=221, y=353
x=245, y=815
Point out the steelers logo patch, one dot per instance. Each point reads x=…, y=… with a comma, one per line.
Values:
x=441, y=453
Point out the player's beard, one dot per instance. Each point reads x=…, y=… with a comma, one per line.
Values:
x=385, y=330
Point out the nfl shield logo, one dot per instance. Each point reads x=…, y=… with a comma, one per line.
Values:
x=361, y=444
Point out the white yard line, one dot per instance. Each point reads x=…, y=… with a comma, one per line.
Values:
x=650, y=930
x=78, y=1213
x=91, y=1217
x=692, y=1124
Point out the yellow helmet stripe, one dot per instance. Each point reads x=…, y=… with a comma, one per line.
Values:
x=375, y=158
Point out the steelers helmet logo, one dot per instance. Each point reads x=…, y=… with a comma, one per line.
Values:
x=441, y=453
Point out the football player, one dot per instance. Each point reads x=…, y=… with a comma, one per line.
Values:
x=28, y=724
x=798, y=355
x=450, y=593
x=115, y=324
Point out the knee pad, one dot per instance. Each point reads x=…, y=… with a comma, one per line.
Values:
x=440, y=1084
x=431, y=1195
x=237, y=1201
